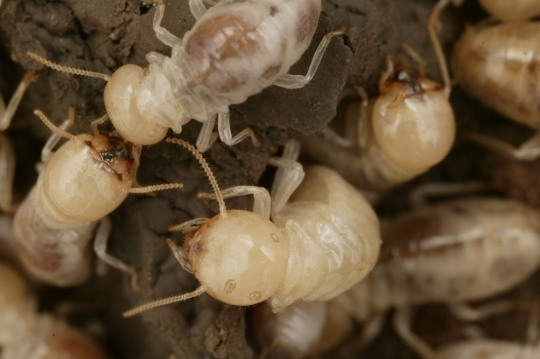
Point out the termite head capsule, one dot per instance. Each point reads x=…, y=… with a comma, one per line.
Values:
x=413, y=121
x=516, y=10
x=121, y=101
x=241, y=260
x=87, y=178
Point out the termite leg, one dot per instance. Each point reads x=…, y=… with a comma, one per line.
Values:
x=161, y=33
x=402, y=325
x=467, y=313
x=290, y=81
x=94, y=125
x=433, y=29
x=261, y=198
x=188, y=226
x=52, y=141
x=224, y=130
x=370, y=330
x=419, y=196
x=100, y=247
x=197, y=8
x=155, y=58
x=7, y=113
x=288, y=177
x=206, y=137
x=527, y=151
x=7, y=173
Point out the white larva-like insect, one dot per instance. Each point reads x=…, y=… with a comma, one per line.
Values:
x=407, y=129
x=319, y=243
x=454, y=252
x=498, y=64
x=78, y=185
x=27, y=334
x=7, y=154
x=235, y=50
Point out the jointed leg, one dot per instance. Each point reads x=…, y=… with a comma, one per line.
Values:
x=402, y=325
x=161, y=33
x=224, y=130
x=288, y=177
x=289, y=81
x=261, y=198
x=52, y=141
x=7, y=173
x=206, y=137
x=7, y=113
x=100, y=247
x=527, y=151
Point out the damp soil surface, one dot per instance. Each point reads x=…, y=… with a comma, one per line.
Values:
x=103, y=35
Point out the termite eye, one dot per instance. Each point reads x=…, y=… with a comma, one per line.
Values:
x=240, y=260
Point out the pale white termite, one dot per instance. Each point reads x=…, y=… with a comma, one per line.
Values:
x=27, y=334
x=7, y=154
x=407, y=129
x=235, y=50
x=453, y=252
x=498, y=64
x=319, y=243
x=81, y=183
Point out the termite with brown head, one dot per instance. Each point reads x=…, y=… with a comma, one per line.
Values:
x=320, y=242
x=498, y=64
x=234, y=50
x=7, y=154
x=454, y=252
x=78, y=185
x=25, y=333
x=407, y=129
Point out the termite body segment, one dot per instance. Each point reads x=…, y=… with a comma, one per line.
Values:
x=488, y=349
x=28, y=334
x=81, y=183
x=499, y=65
x=463, y=250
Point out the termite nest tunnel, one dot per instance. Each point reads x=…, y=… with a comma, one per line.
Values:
x=103, y=35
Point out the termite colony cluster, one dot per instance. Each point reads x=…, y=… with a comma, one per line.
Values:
x=372, y=198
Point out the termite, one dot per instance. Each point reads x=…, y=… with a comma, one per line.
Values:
x=27, y=334
x=234, y=50
x=7, y=154
x=454, y=252
x=321, y=240
x=497, y=64
x=78, y=185
x=407, y=129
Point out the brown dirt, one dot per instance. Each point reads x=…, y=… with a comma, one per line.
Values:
x=101, y=36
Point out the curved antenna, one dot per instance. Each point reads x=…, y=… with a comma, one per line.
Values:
x=163, y=302
x=432, y=30
x=52, y=126
x=206, y=167
x=66, y=69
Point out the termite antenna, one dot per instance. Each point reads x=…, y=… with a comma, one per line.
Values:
x=164, y=301
x=433, y=29
x=66, y=69
x=53, y=127
x=206, y=168
x=155, y=188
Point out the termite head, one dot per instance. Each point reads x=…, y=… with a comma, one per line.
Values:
x=121, y=101
x=239, y=258
x=413, y=121
x=88, y=177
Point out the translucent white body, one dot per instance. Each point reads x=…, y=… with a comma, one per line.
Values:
x=499, y=65
x=234, y=50
x=512, y=10
x=26, y=334
x=324, y=240
x=464, y=250
x=83, y=181
x=488, y=349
